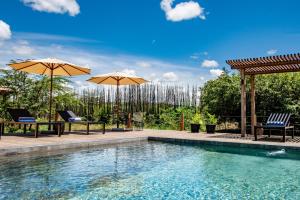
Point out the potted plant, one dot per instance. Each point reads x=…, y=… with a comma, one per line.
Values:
x=196, y=123
x=211, y=122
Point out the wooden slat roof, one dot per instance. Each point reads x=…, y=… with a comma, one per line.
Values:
x=267, y=65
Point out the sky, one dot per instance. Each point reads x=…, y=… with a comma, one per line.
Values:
x=173, y=41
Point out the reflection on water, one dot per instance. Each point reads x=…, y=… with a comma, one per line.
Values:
x=151, y=170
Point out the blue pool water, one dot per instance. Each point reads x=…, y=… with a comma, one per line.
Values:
x=152, y=170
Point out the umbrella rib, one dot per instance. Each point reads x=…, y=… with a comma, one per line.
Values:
x=44, y=71
x=103, y=80
x=65, y=70
x=45, y=65
x=78, y=69
x=133, y=80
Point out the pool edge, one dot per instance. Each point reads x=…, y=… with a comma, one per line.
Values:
x=224, y=143
x=71, y=145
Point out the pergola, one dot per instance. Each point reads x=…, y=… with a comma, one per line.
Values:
x=262, y=65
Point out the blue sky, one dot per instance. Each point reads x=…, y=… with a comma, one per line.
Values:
x=162, y=40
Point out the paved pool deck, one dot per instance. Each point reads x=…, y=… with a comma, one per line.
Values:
x=11, y=145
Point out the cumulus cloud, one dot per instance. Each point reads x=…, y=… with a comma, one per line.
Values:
x=129, y=71
x=54, y=6
x=170, y=76
x=5, y=32
x=210, y=63
x=272, y=52
x=182, y=11
x=216, y=72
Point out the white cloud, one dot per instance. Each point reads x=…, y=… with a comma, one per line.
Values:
x=182, y=11
x=143, y=64
x=129, y=71
x=54, y=6
x=152, y=76
x=272, y=51
x=23, y=48
x=103, y=62
x=216, y=72
x=170, y=76
x=5, y=32
x=210, y=63
x=82, y=85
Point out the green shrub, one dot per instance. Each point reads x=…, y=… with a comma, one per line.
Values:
x=198, y=119
x=210, y=119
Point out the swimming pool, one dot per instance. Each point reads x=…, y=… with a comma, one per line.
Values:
x=152, y=170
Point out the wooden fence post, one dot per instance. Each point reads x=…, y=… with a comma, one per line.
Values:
x=182, y=122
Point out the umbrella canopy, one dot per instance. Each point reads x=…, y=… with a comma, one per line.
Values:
x=50, y=67
x=117, y=78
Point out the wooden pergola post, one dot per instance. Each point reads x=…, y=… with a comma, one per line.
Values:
x=253, y=114
x=256, y=66
x=243, y=103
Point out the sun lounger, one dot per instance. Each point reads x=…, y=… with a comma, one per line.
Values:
x=70, y=118
x=277, y=121
x=24, y=117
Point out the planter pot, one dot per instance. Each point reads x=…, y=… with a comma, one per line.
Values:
x=195, y=128
x=210, y=128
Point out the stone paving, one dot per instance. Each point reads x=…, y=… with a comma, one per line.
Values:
x=25, y=144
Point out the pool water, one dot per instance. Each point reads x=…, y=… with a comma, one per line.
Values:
x=152, y=170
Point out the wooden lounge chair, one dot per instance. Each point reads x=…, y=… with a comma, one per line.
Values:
x=70, y=118
x=277, y=121
x=24, y=117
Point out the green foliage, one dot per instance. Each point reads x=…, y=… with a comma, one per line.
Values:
x=32, y=92
x=198, y=119
x=169, y=118
x=100, y=114
x=221, y=96
x=210, y=119
x=163, y=106
x=274, y=93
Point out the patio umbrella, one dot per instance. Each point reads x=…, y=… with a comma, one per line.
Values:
x=50, y=67
x=117, y=78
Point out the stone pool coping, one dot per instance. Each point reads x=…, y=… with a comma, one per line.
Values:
x=13, y=145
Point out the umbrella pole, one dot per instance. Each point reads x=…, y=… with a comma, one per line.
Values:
x=50, y=99
x=118, y=83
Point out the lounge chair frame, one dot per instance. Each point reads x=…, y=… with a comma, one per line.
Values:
x=17, y=113
x=67, y=114
x=277, y=121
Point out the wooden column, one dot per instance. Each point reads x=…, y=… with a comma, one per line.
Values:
x=243, y=103
x=253, y=114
